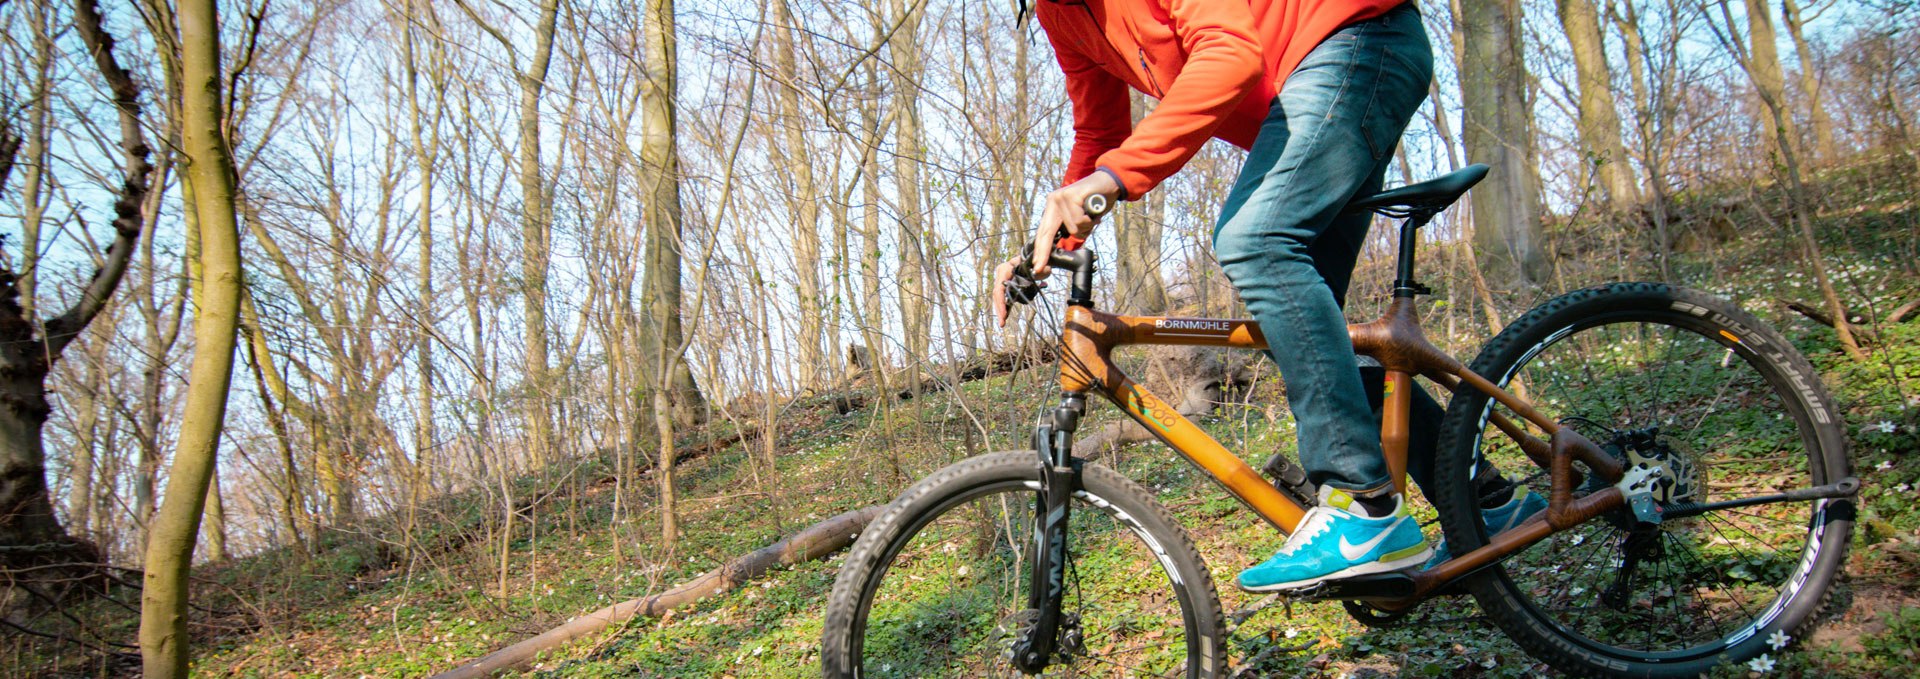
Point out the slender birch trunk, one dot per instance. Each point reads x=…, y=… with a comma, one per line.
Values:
x=163, y=610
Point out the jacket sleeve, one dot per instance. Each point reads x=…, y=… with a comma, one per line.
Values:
x=1102, y=114
x=1223, y=64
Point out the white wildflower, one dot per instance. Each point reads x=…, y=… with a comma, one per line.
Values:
x=1885, y=426
x=1762, y=664
x=1291, y=632
x=1884, y=465
x=1778, y=640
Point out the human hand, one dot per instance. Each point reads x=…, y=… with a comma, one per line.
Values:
x=1066, y=209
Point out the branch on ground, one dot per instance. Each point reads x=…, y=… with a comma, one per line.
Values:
x=857, y=390
x=1855, y=320
x=815, y=542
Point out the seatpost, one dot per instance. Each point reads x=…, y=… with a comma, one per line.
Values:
x=1404, y=286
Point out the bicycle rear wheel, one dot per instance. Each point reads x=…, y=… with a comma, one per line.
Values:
x=1722, y=407
x=937, y=585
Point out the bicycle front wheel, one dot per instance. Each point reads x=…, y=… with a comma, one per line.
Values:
x=937, y=585
x=1721, y=407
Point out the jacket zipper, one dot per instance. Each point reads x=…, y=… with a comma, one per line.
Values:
x=1152, y=81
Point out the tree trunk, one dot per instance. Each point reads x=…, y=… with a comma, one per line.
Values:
x=1763, y=65
x=271, y=387
x=1136, y=234
x=216, y=521
x=33, y=192
x=816, y=541
x=660, y=163
x=1817, y=118
x=1499, y=132
x=426, y=149
x=87, y=403
x=660, y=168
x=916, y=316
x=803, y=202
x=872, y=313
x=535, y=236
x=1599, y=121
x=163, y=598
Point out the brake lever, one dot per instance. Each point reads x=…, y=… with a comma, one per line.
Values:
x=1022, y=288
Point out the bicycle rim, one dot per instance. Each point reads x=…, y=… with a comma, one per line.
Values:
x=950, y=595
x=1723, y=412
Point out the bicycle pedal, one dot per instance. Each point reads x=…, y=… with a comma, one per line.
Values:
x=1397, y=586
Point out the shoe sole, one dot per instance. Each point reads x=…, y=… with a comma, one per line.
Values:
x=1369, y=568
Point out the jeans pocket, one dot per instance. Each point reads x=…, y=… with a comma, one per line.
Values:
x=1402, y=74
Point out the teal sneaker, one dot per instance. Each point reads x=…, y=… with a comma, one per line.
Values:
x=1499, y=519
x=1332, y=542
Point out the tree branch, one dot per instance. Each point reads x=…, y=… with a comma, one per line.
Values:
x=128, y=220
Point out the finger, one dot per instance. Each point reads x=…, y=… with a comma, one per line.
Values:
x=1042, y=251
x=1043, y=243
x=1080, y=224
x=1001, y=274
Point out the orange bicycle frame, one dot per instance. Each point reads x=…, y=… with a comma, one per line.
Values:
x=1088, y=338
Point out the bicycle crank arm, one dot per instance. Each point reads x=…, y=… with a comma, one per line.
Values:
x=1843, y=488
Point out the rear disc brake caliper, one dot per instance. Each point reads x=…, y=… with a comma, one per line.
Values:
x=1637, y=485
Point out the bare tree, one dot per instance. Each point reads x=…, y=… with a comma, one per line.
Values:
x=29, y=345
x=916, y=315
x=1762, y=65
x=1599, y=120
x=536, y=228
x=1817, y=118
x=1499, y=132
x=163, y=622
x=802, y=200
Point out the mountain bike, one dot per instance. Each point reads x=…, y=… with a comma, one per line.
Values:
x=1699, y=496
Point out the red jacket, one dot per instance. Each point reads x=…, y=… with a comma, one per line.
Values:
x=1215, y=65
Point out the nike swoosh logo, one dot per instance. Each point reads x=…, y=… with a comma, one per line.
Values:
x=1353, y=552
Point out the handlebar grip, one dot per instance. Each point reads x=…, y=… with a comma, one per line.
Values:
x=1097, y=205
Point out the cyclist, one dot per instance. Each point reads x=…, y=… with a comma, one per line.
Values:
x=1318, y=92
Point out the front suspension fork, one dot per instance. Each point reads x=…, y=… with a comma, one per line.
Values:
x=1059, y=479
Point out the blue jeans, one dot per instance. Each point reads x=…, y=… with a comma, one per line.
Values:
x=1286, y=246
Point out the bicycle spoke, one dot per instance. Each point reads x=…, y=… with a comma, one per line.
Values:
x=1694, y=409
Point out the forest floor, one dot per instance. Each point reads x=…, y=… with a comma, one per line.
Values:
x=380, y=601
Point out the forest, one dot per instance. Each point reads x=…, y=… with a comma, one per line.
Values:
x=579, y=338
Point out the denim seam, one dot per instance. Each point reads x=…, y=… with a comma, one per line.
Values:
x=1294, y=311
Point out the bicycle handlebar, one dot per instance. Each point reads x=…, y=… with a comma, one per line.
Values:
x=1022, y=289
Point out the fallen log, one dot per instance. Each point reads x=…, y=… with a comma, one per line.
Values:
x=814, y=542
x=1856, y=321
x=859, y=389
x=1199, y=375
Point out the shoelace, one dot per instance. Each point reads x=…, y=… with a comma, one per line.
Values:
x=1316, y=523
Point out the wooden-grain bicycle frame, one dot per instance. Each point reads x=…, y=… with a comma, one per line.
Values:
x=1088, y=338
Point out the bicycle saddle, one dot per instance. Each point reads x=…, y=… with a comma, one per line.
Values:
x=1429, y=196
